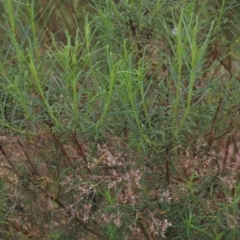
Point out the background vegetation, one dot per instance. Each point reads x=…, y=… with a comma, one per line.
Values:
x=119, y=121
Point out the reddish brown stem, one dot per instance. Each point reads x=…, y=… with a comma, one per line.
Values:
x=80, y=151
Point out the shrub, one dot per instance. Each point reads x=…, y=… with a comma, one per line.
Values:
x=122, y=130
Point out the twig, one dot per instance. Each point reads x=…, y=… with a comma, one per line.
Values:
x=211, y=138
x=80, y=151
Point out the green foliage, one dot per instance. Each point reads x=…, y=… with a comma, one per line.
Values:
x=122, y=128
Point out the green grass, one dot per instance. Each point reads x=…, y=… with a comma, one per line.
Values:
x=120, y=128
